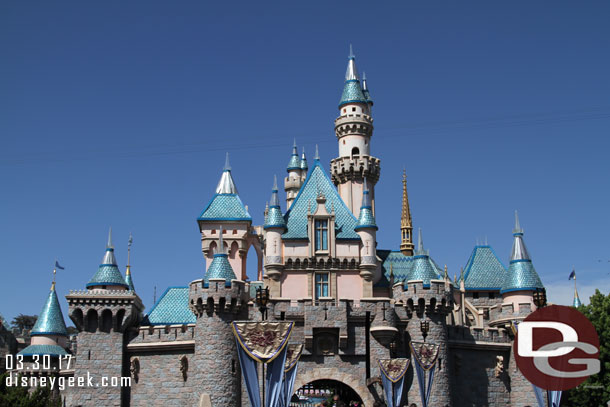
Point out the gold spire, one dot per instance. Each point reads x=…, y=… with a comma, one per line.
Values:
x=406, y=223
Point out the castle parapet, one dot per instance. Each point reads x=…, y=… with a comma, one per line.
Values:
x=217, y=297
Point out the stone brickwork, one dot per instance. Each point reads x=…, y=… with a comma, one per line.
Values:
x=160, y=375
x=99, y=354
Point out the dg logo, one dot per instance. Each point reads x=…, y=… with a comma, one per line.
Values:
x=557, y=348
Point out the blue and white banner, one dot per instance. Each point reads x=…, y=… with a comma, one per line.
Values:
x=393, y=377
x=293, y=354
x=425, y=354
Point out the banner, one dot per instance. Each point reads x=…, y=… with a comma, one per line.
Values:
x=393, y=375
x=425, y=354
x=293, y=353
x=263, y=342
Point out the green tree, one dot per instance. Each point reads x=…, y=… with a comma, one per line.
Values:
x=3, y=322
x=24, y=321
x=17, y=396
x=595, y=391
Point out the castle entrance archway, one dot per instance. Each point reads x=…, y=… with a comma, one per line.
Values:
x=313, y=393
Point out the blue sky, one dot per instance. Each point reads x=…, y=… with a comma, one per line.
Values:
x=120, y=113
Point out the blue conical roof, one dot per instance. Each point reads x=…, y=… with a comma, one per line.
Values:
x=577, y=302
x=220, y=267
x=108, y=272
x=423, y=268
x=352, y=91
x=274, y=218
x=51, y=320
x=225, y=205
x=129, y=280
x=521, y=275
x=295, y=162
x=365, y=90
x=366, y=218
x=304, y=166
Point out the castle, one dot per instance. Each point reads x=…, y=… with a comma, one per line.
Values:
x=351, y=302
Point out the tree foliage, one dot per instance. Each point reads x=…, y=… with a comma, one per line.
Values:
x=595, y=391
x=17, y=396
x=3, y=322
x=24, y=321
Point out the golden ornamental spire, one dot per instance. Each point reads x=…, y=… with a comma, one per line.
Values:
x=406, y=223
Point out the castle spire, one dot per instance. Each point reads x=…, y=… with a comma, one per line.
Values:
x=274, y=218
x=420, y=243
x=128, y=278
x=521, y=275
x=226, y=185
x=366, y=218
x=352, y=91
x=406, y=223
x=519, y=251
x=294, y=163
x=365, y=90
x=50, y=320
x=304, y=166
x=108, y=274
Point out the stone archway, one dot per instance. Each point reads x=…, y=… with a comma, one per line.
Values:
x=331, y=373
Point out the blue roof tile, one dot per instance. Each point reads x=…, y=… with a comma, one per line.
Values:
x=406, y=268
x=108, y=272
x=352, y=93
x=53, y=350
x=51, y=320
x=521, y=275
x=317, y=181
x=484, y=271
x=225, y=207
x=220, y=268
x=171, y=308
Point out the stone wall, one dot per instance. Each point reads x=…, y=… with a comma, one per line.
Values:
x=160, y=380
x=99, y=354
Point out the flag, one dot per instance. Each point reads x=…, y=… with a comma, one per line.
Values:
x=130, y=241
x=57, y=266
x=572, y=275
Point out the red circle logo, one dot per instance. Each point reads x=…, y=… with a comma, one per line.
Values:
x=556, y=348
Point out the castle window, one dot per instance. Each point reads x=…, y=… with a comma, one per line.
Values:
x=213, y=231
x=475, y=295
x=355, y=152
x=321, y=285
x=321, y=227
x=234, y=231
x=353, y=109
x=344, y=110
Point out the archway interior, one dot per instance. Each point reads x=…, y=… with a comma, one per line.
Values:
x=319, y=390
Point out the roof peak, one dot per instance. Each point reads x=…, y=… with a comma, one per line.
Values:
x=352, y=72
x=51, y=320
x=226, y=185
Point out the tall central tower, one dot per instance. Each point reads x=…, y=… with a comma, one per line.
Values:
x=354, y=129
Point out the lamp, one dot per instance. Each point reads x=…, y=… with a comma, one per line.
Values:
x=424, y=326
x=262, y=298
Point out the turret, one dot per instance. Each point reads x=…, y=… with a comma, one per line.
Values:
x=354, y=129
x=217, y=300
x=367, y=230
x=49, y=335
x=428, y=299
x=103, y=315
x=521, y=280
x=294, y=180
x=226, y=213
x=274, y=226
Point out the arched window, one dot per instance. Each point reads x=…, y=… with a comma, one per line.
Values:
x=355, y=152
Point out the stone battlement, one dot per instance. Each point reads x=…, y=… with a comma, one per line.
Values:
x=217, y=297
x=465, y=334
x=417, y=298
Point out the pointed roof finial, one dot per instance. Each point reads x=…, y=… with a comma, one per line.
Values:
x=226, y=185
x=517, y=225
x=352, y=72
x=109, y=244
x=317, y=156
x=227, y=166
x=420, y=242
x=294, y=163
x=304, y=161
